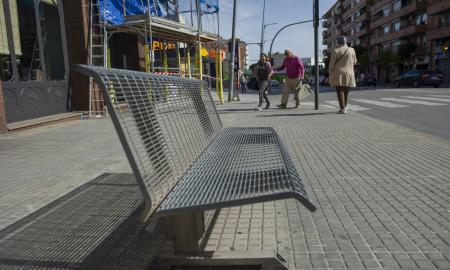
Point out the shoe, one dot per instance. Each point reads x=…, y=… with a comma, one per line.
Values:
x=346, y=109
x=341, y=111
x=281, y=106
x=259, y=108
x=267, y=107
x=297, y=104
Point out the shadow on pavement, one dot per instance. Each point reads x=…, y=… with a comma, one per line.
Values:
x=96, y=226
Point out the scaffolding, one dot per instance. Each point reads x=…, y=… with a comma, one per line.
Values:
x=148, y=27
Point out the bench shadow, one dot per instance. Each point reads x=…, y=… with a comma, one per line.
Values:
x=96, y=226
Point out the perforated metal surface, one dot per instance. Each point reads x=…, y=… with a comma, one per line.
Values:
x=243, y=165
x=166, y=125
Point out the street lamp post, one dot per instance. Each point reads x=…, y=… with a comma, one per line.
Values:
x=263, y=26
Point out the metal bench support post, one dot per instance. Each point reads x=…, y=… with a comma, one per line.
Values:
x=185, y=230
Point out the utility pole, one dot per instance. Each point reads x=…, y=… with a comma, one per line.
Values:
x=233, y=53
x=316, y=53
x=262, y=29
x=199, y=26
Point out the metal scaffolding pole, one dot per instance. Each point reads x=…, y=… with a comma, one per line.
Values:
x=233, y=53
x=150, y=49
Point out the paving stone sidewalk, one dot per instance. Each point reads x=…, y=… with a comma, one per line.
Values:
x=382, y=191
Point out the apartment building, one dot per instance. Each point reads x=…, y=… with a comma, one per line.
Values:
x=392, y=25
x=355, y=22
x=438, y=36
x=397, y=22
x=332, y=26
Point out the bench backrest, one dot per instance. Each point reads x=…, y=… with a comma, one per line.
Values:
x=164, y=123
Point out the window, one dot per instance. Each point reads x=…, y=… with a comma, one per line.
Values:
x=386, y=11
x=396, y=26
x=52, y=40
x=396, y=45
x=397, y=6
x=421, y=19
x=386, y=29
x=444, y=20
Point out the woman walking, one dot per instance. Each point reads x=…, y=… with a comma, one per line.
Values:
x=342, y=74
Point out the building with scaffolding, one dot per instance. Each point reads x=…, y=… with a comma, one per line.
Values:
x=46, y=37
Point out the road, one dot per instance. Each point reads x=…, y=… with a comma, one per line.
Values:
x=422, y=109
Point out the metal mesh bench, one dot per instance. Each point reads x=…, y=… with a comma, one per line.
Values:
x=182, y=157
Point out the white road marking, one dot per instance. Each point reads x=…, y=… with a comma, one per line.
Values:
x=410, y=101
x=380, y=103
x=440, y=96
x=351, y=107
x=309, y=103
x=429, y=98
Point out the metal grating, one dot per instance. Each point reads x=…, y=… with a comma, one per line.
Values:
x=172, y=134
x=81, y=229
x=243, y=165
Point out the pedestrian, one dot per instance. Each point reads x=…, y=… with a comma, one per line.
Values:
x=342, y=74
x=263, y=73
x=295, y=73
x=243, y=84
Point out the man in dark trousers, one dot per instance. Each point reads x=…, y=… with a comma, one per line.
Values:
x=263, y=71
x=295, y=72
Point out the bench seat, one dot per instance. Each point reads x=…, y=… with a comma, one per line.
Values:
x=242, y=165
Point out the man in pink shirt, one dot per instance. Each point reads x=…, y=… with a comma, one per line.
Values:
x=295, y=72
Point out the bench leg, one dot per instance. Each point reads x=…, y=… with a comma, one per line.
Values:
x=185, y=230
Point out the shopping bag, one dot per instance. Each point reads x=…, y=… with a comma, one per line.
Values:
x=304, y=90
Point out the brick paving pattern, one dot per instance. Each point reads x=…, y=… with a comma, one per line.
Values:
x=382, y=191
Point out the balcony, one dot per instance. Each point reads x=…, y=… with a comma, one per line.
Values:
x=437, y=6
x=407, y=31
x=350, y=11
x=438, y=33
x=411, y=8
x=358, y=34
x=379, y=5
x=357, y=20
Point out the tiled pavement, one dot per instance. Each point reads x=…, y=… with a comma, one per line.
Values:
x=382, y=191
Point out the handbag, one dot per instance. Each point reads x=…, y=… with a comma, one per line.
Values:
x=304, y=91
x=342, y=56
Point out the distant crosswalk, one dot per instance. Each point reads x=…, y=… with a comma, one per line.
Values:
x=362, y=104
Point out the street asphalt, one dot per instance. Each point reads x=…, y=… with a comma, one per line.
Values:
x=424, y=109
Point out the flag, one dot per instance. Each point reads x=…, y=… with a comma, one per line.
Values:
x=209, y=6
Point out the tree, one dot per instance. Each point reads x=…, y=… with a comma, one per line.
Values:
x=405, y=51
x=386, y=58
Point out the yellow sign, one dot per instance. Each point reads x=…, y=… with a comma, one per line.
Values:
x=158, y=45
x=204, y=52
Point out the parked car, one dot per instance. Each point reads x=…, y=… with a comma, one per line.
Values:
x=274, y=83
x=417, y=78
x=366, y=80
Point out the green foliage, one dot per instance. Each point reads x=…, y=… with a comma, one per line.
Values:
x=363, y=59
x=386, y=58
x=405, y=50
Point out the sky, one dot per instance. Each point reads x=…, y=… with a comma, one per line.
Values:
x=299, y=38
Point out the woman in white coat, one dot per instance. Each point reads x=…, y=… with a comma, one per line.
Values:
x=342, y=74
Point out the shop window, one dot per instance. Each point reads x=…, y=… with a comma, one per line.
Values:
x=27, y=56
x=51, y=40
x=6, y=65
